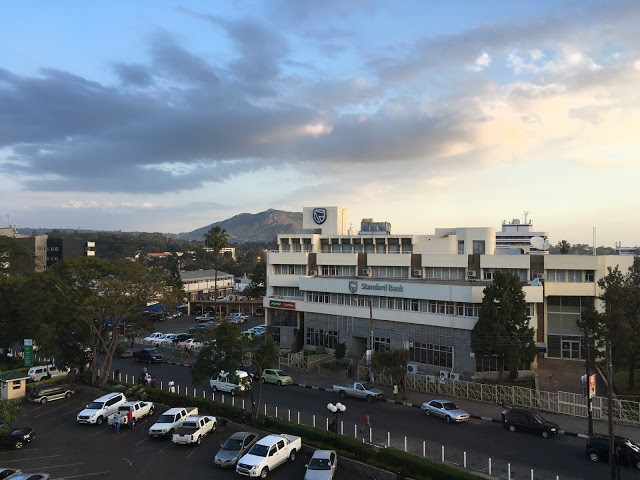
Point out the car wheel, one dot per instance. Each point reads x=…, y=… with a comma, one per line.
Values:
x=448, y=419
x=43, y=400
x=512, y=428
x=638, y=465
x=150, y=412
x=292, y=455
x=18, y=445
x=214, y=388
x=427, y=412
x=99, y=421
x=199, y=441
x=593, y=456
x=262, y=380
x=545, y=434
x=233, y=392
x=342, y=394
x=215, y=425
x=68, y=394
x=369, y=399
x=264, y=473
x=49, y=376
x=279, y=383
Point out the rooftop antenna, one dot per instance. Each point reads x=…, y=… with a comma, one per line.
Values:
x=594, y=242
x=525, y=217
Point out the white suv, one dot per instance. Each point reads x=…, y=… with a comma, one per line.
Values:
x=98, y=410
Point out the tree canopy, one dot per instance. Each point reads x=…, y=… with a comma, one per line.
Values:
x=502, y=329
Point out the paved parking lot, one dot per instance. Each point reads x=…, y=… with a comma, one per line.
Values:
x=67, y=450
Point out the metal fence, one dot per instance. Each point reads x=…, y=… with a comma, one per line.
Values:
x=560, y=402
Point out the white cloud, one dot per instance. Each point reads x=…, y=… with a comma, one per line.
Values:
x=482, y=62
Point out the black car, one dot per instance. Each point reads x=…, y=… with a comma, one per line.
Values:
x=149, y=355
x=15, y=437
x=628, y=452
x=528, y=421
x=182, y=337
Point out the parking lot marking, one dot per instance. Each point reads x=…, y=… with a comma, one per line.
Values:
x=120, y=435
x=32, y=458
x=192, y=452
x=49, y=411
x=128, y=461
x=59, y=466
x=100, y=431
x=86, y=475
x=170, y=443
x=145, y=438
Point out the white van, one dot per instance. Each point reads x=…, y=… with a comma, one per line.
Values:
x=45, y=371
x=239, y=382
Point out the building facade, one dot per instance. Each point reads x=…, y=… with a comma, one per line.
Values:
x=374, y=289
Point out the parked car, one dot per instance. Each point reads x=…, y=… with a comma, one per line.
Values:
x=152, y=337
x=149, y=355
x=359, y=390
x=322, y=465
x=238, y=317
x=445, y=409
x=234, y=448
x=98, y=410
x=167, y=340
x=267, y=454
x=201, y=326
x=170, y=421
x=181, y=337
x=205, y=318
x=45, y=371
x=190, y=343
x=15, y=437
x=6, y=472
x=30, y=476
x=528, y=421
x=138, y=408
x=194, y=429
x=234, y=384
x=628, y=452
x=277, y=376
x=44, y=393
x=250, y=369
x=248, y=334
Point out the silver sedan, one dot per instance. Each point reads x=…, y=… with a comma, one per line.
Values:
x=445, y=409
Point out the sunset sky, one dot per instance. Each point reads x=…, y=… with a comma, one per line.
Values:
x=167, y=115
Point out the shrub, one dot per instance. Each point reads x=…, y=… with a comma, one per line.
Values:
x=340, y=350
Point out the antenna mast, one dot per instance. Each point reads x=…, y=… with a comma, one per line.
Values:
x=526, y=214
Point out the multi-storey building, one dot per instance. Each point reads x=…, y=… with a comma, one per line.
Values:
x=517, y=237
x=326, y=285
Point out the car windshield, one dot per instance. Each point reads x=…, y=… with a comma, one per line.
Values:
x=232, y=444
x=319, y=464
x=450, y=406
x=165, y=419
x=95, y=406
x=280, y=373
x=259, y=450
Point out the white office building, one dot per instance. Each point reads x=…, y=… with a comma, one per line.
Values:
x=326, y=285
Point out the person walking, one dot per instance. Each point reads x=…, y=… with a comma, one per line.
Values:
x=395, y=392
x=366, y=421
x=172, y=386
x=116, y=422
x=130, y=421
x=116, y=374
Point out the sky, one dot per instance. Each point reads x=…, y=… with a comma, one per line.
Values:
x=167, y=116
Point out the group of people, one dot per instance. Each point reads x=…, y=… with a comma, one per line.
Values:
x=145, y=378
x=118, y=419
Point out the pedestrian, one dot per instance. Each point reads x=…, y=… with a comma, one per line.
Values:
x=172, y=386
x=130, y=419
x=116, y=374
x=116, y=422
x=147, y=378
x=443, y=380
x=186, y=351
x=366, y=421
x=395, y=392
x=154, y=382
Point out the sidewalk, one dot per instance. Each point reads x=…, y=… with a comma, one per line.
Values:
x=491, y=412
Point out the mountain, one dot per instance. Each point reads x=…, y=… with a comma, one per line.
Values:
x=252, y=227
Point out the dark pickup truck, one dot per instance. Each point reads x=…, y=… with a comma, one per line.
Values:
x=149, y=355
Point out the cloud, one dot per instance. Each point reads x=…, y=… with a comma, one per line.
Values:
x=482, y=62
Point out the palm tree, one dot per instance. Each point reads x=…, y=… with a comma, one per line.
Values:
x=216, y=239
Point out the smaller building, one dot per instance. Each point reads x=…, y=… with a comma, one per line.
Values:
x=13, y=384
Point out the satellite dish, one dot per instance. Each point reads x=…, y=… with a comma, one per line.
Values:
x=539, y=243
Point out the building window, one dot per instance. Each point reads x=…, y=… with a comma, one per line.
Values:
x=589, y=276
x=489, y=363
x=15, y=384
x=321, y=338
x=478, y=247
x=555, y=276
x=575, y=276
x=429, y=353
x=381, y=344
x=460, y=247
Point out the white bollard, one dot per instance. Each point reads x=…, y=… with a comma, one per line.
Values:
x=126, y=378
x=405, y=443
x=276, y=412
x=213, y=396
x=370, y=434
x=341, y=427
x=243, y=403
x=424, y=448
x=489, y=466
x=314, y=421
x=509, y=471
x=298, y=418
x=355, y=431
x=160, y=384
x=289, y=415
x=222, y=401
x=327, y=424
x=120, y=377
x=265, y=409
x=442, y=453
x=465, y=460
x=532, y=474
x=388, y=439
x=233, y=401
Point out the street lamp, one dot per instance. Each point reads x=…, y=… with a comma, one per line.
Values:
x=336, y=409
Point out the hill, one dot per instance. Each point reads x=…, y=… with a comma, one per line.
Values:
x=252, y=227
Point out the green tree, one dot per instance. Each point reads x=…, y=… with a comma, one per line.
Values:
x=258, y=286
x=502, y=329
x=394, y=362
x=222, y=356
x=15, y=258
x=15, y=323
x=263, y=355
x=9, y=410
x=564, y=247
x=88, y=302
x=216, y=239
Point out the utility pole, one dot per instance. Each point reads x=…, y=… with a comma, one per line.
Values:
x=612, y=448
x=588, y=372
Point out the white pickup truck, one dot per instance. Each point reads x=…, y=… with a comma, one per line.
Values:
x=194, y=429
x=138, y=408
x=359, y=390
x=267, y=454
x=170, y=421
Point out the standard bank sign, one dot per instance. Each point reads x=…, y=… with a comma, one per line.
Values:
x=319, y=215
x=376, y=287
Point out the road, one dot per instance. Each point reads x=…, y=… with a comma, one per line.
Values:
x=561, y=456
x=65, y=449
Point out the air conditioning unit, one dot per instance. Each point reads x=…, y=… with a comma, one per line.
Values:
x=540, y=276
x=471, y=274
x=412, y=368
x=365, y=271
x=454, y=376
x=313, y=273
x=417, y=273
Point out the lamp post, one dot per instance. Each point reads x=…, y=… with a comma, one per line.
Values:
x=370, y=335
x=336, y=409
